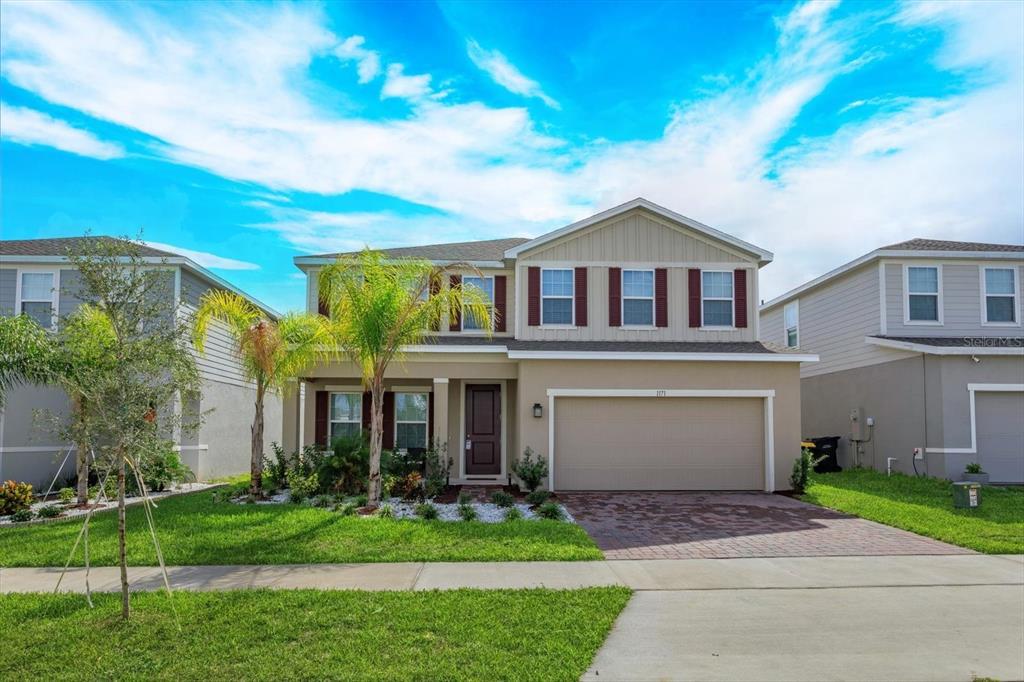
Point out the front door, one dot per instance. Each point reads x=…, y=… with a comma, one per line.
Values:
x=483, y=429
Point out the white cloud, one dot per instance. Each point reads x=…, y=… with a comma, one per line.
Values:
x=30, y=127
x=504, y=73
x=397, y=84
x=206, y=259
x=367, y=61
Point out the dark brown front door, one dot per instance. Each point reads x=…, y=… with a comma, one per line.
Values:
x=483, y=429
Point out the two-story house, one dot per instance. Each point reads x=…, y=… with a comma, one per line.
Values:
x=624, y=352
x=921, y=351
x=36, y=279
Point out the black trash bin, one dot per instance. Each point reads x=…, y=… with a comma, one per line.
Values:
x=827, y=450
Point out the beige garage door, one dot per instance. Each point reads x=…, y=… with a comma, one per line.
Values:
x=659, y=444
x=1000, y=424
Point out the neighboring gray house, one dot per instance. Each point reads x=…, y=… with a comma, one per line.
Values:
x=921, y=346
x=36, y=279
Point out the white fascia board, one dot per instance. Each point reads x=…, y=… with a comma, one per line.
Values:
x=430, y=348
x=687, y=357
x=301, y=261
x=764, y=256
x=661, y=393
x=945, y=350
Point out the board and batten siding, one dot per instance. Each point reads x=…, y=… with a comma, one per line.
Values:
x=834, y=319
x=961, y=300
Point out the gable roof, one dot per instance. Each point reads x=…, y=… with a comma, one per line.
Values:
x=55, y=250
x=918, y=247
x=483, y=250
x=764, y=257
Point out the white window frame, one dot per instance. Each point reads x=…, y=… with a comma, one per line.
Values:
x=331, y=421
x=572, y=299
x=462, y=319
x=622, y=303
x=795, y=305
x=985, y=295
x=426, y=419
x=54, y=293
x=731, y=299
x=906, y=295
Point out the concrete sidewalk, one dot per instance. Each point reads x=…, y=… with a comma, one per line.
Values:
x=692, y=574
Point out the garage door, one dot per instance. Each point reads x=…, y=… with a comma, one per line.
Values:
x=659, y=443
x=1000, y=424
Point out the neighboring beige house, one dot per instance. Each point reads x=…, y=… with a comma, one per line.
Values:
x=36, y=279
x=624, y=352
x=922, y=339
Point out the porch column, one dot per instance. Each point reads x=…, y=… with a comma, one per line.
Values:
x=441, y=412
x=291, y=418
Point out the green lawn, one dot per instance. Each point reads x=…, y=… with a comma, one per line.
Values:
x=925, y=506
x=194, y=530
x=310, y=634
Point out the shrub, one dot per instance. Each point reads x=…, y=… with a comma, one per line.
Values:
x=15, y=497
x=802, y=468
x=67, y=495
x=401, y=463
x=346, y=466
x=302, y=485
x=275, y=471
x=550, y=510
x=346, y=509
x=467, y=512
x=409, y=487
x=973, y=468
x=538, y=497
x=513, y=514
x=426, y=511
x=323, y=501
x=502, y=498
x=464, y=497
x=360, y=500
x=386, y=511
x=162, y=469
x=50, y=511
x=22, y=515
x=437, y=464
x=530, y=470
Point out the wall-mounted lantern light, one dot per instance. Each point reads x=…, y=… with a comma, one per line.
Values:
x=538, y=410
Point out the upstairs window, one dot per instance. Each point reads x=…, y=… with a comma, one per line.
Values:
x=38, y=297
x=638, y=298
x=791, y=316
x=485, y=285
x=411, y=420
x=1000, y=296
x=923, y=294
x=346, y=415
x=716, y=298
x=556, y=295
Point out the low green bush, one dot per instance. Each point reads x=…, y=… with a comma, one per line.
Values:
x=537, y=497
x=551, y=510
x=467, y=512
x=426, y=511
x=502, y=499
x=802, y=468
x=513, y=514
x=386, y=511
x=530, y=470
x=15, y=497
x=464, y=497
x=22, y=515
x=302, y=485
x=50, y=511
x=973, y=468
x=360, y=500
x=346, y=509
x=67, y=495
x=322, y=501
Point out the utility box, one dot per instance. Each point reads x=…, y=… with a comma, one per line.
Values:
x=966, y=495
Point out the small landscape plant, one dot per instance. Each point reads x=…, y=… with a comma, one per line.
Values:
x=437, y=464
x=22, y=515
x=302, y=485
x=502, y=499
x=15, y=497
x=467, y=512
x=50, y=511
x=464, y=497
x=973, y=468
x=67, y=495
x=346, y=509
x=386, y=511
x=513, y=514
x=322, y=501
x=802, y=468
x=410, y=486
x=426, y=511
x=360, y=500
x=538, y=497
x=550, y=510
x=530, y=469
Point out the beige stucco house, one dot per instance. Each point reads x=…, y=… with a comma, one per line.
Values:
x=921, y=349
x=624, y=351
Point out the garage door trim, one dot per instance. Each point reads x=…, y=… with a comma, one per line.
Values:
x=767, y=395
x=973, y=389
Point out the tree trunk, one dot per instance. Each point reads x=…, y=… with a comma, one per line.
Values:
x=122, y=556
x=256, y=462
x=376, y=436
x=81, y=451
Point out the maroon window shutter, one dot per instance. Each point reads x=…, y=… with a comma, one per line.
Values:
x=320, y=430
x=455, y=316
x=660, y=297
x=499, y=303
x=367, y=412
x=740, y=297
x=388, y=439
x=430, y=419
x=580, y=292
x=533, y=296
x=435, y=288
x=614, y=297
x=693, y=292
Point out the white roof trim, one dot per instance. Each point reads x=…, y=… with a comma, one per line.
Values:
x=886, y=253
x=764, y=256
x=944, y=350
x=438, y=348
x=482, y=264
x=632, y=355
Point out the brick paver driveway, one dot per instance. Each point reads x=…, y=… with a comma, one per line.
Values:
x=688, y=525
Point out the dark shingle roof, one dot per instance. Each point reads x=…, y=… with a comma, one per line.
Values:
x=960, y=341
x=489, y=249
x=920, y=244
x=59, y=247
x=606, y=346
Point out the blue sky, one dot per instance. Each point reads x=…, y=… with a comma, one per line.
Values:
x=252, y=133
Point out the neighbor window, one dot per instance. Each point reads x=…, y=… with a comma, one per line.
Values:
x=556, y=292
x=922, y=294
x=638, y=298
x=411, y=420
x=486, y=285
x=716, y=298
x=1000, y=295
x=37, y=297
x=791, y=315
x=346, y=415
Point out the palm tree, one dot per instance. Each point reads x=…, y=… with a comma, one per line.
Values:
x=377, y=306
x=272, y=353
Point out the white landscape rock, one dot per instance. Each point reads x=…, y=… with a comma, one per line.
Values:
x=73, y=512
